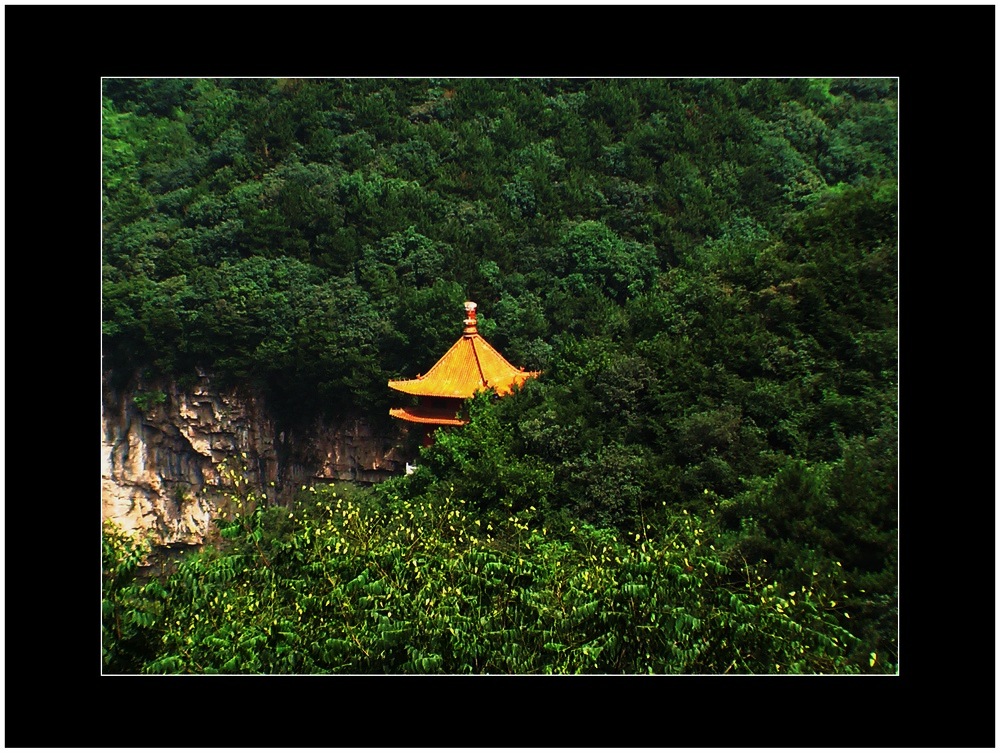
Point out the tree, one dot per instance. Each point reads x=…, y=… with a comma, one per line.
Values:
x=431, y=585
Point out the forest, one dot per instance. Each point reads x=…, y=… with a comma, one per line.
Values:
x=702, y=480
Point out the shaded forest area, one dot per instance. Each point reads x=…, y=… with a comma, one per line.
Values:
x=703, y=479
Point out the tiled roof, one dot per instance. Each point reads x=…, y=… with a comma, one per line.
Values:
x=422, y=415
x=470, y=365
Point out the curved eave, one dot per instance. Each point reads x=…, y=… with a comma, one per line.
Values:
x=418, y=416
x=432, y=389
x=517, y=380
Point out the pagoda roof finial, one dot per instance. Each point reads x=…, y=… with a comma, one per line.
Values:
x=470, y=319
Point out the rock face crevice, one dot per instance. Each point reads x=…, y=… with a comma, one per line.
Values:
x=161, y=446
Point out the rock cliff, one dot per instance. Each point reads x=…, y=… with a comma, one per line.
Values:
x=161, y=446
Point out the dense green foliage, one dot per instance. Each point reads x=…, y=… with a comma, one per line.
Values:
x=706, y=273
x=316, y=237
x=341, y=585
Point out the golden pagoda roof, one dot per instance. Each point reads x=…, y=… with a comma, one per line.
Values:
x=422, y=415
x=470, y=365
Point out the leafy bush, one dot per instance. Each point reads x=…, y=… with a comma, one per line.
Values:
x=342, y=584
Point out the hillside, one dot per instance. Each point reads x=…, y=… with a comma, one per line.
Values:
x=704, y=271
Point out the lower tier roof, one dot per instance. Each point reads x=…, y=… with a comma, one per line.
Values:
x=424, y=415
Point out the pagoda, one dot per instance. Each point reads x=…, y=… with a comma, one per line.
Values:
x=471, y=365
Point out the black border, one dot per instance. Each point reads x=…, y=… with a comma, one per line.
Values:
x=943, y=697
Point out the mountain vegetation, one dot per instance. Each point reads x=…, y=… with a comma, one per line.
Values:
x=702, y=480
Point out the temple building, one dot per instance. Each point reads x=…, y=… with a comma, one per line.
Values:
x=469, y=366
